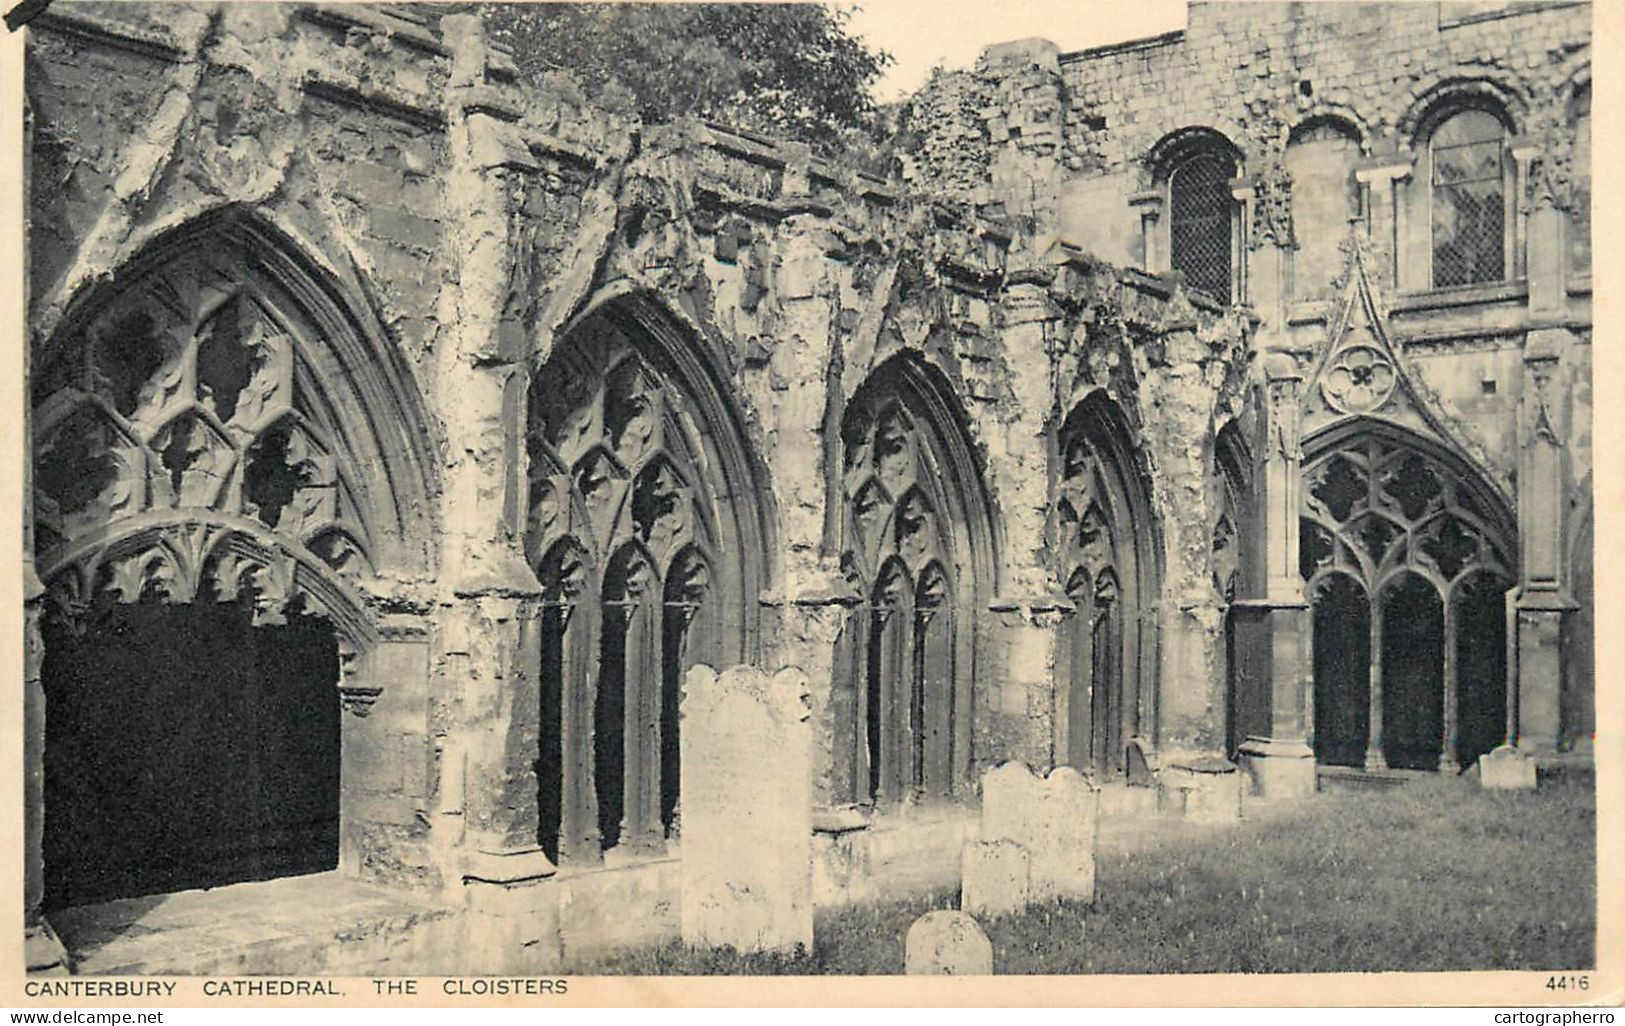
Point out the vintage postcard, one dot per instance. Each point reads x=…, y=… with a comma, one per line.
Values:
x=994, y=503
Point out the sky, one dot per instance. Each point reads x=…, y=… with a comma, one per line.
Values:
x=921, y=34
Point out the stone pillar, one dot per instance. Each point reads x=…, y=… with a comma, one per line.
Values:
x=490, y=599
x=1153, y=251
x=805, y=403
x=1385, y=213
x=1187, y=707
x=42, y=951
x=1029, y=615
x=1542, y=599
x=1273, y=675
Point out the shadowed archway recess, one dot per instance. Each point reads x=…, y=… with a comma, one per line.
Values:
x=649, y=529
x=1110, y=565
x=227, y=455
x=917, y=553
x=1402, y=541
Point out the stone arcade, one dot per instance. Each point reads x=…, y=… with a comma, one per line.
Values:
x=403, y=436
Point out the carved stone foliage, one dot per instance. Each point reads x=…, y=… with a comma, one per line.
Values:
x=1375, y=509
x=1272, y=204
x=184, y=414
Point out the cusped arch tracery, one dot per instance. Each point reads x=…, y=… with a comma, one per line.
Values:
x=647, y=528
x=916, y=551
x=202, y=428
x=1107, y=555
x=1375, y=507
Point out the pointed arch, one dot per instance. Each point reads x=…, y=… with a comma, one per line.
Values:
x=1114, y=544
x=665, y=481
x=337, y=358
x=233, y=457
x=1432, y=548
x=914, y=513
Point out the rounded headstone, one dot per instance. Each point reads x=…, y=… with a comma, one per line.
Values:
x=947, y=943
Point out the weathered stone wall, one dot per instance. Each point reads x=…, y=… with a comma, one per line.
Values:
x=470, y=223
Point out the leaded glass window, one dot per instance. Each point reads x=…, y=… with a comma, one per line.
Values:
x=1468, y=180
x=1199, y=222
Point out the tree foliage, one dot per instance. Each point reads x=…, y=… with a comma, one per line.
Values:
x=789, y=69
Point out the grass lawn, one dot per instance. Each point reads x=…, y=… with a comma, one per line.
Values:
x=1436, y=875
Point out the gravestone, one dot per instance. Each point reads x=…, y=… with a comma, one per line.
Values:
x=1056, y=821
x=1062, y=835
x=947, y=943
x=1506, y=769
x=1009, y=791
x=995, y=878
x=746, y=749
x=1204, y=790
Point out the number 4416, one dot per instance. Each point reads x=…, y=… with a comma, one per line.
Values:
x=1568, y=983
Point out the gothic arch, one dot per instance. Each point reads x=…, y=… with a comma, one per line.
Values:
x=228, y=457
x=639, y=464
x=351, y=381
x=1108, y=545
x=918, y=542
x=1432, y=549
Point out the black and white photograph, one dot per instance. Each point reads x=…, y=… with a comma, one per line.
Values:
x=519, y=497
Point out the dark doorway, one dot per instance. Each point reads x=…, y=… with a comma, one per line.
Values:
x=1481, y=666
x=1342, y=633
x=1412, y=674
x=1105, y=704
x=187, y=748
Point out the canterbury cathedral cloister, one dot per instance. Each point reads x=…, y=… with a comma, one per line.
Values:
x=1208, y=411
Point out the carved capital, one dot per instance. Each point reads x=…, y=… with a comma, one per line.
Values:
x=358, y=699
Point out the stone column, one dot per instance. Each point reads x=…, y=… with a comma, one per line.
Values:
x=1381, y=180
x=802, y=417
x=1029, y=614
x=1188, y=710
x=1273, y=685
x=1542, y=598
x=1153, y=255
x=489, y=602
x=42, y=950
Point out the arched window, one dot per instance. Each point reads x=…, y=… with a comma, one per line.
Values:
x=1407, y=563
x=917, y=547
x=1320, y=157
x=1468, y=178
x=1201, y=236
x=644, y=569
x=1104, y=526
